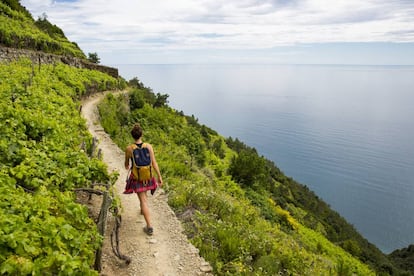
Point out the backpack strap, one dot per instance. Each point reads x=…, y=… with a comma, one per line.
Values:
x=141, y=146
x=133, y=146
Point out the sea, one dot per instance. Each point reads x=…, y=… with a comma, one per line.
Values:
x=345, y=131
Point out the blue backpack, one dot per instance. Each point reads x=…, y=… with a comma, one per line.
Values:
x=141, y=160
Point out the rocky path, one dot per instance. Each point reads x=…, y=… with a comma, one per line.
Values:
x=167, y=252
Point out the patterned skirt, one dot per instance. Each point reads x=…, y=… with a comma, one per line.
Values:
x=135, y=186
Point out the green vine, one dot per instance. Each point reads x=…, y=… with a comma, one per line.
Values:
x=42, y=228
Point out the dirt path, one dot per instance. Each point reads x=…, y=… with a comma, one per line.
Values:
x=168, y=251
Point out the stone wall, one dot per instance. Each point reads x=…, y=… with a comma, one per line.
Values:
x=11, y=54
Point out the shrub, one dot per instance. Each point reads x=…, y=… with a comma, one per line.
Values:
x=136, y=99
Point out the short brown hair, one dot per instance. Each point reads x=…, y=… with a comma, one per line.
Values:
x=136, y=131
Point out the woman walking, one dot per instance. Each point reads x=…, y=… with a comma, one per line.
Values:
x=141, y=178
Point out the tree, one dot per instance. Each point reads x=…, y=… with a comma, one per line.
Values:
x=160, y=100
x=136, y=99
x=217, y=148
x=135, y=82
x=93, y=57
x=247, y=168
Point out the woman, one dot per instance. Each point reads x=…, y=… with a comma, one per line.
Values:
x=137, y=186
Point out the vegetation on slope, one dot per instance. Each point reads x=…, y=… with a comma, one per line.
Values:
x=239, y=228
x=43, y=230
x=218, y=186
x=404, y=258
x=19, y=30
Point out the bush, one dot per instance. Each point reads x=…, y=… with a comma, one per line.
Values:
x=247, y=168
x=136, y=99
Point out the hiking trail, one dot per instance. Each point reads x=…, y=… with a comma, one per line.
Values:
x=167, y=252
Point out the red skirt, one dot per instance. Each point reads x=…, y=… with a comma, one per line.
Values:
x=135, y=186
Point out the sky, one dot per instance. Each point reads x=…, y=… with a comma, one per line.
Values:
x=368, y=32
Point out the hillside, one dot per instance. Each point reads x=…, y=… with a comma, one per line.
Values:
x=19, y=30
x=44, y=148
x=241, y=212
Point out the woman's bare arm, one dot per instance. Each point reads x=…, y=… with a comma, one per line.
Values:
x=155, y=164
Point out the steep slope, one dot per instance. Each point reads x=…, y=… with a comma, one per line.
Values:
x=19, y=30
x=43, y=146
x=289, y=205
x=168, y=251
x=219, y=215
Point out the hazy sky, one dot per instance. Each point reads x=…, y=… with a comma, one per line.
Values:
x=237, y=31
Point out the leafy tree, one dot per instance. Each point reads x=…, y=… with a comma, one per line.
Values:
x=136, y=83
x=146, y=92
x=404, y=258
x=237, y=145
x=160, y=100
x=247, y=168
x=217, y=148
x=352, y=247
x=195, y=148
x=192, y=120
x=93, y=57
x=136, y=99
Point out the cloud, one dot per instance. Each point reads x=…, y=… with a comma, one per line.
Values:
x=105, y=26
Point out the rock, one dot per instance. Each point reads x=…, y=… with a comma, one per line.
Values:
x=194, y=250
x=205, y=267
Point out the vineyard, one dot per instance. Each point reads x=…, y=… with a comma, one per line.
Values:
x=242, y=213
x=19, y=30
x=44, y=147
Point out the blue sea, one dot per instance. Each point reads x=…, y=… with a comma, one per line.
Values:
x=347, y=132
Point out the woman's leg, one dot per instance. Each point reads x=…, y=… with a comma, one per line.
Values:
x=144, y=207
